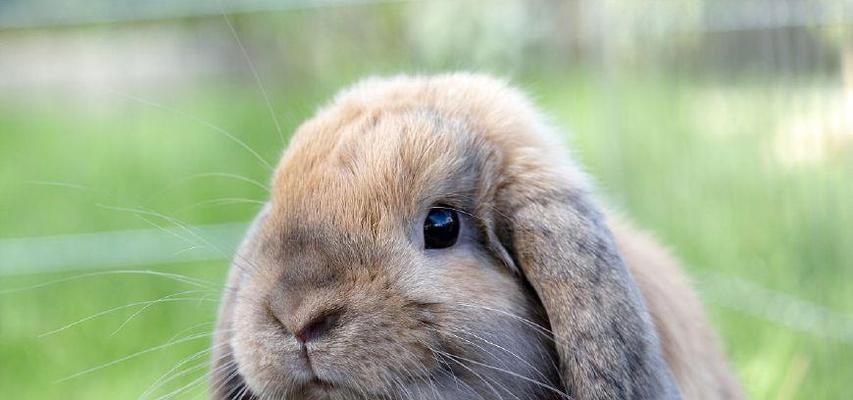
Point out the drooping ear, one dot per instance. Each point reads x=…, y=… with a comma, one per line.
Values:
x=603, y=333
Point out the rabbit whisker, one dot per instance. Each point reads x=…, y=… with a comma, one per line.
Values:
x=133, y=355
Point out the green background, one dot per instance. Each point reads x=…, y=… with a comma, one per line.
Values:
x=689, y=135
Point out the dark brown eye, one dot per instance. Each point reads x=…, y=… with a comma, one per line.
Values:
x=441, y=228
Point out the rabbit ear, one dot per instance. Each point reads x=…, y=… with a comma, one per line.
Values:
x=602, y=331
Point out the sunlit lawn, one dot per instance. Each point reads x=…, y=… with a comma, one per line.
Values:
x=722, y=202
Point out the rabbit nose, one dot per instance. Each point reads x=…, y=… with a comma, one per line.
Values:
x=318, y=326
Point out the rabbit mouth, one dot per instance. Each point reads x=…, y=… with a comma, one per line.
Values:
x=317, y=382
x=239, y=390
x=317, y=386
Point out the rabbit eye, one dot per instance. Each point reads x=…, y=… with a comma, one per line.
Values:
x=441, y=228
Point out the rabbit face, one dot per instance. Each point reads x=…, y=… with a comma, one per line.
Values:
x=372, y=272
x=428, y=238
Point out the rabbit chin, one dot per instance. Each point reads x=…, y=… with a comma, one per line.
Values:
x=300, y=379
x=437, y=386
x=294, y=379
x=270, y=368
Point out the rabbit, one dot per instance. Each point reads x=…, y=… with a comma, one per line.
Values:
x=428, y=237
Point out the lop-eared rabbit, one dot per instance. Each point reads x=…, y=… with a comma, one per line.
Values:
x=430, y=238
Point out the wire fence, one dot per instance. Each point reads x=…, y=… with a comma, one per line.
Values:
x=117, y=250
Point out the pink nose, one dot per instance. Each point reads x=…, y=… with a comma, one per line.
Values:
x=318, y=326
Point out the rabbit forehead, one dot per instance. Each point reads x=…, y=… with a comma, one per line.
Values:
x=376, y=173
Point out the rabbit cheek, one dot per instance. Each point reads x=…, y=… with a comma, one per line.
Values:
x=492, y=324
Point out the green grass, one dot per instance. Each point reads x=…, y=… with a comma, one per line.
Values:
x=720, y=200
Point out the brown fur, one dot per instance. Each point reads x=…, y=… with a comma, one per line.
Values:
x=689, y=344
x=341, y=236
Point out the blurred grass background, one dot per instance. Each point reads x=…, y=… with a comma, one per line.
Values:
x=725, y=128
